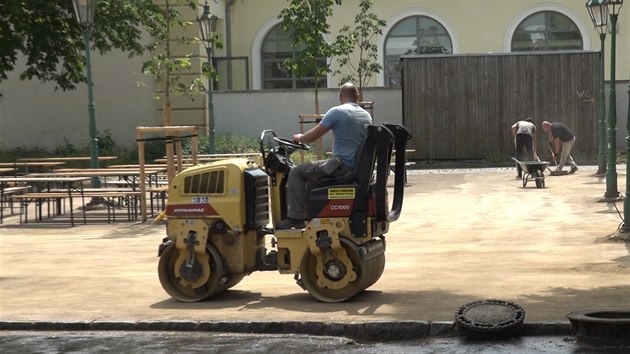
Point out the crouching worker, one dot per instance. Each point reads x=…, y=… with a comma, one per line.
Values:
x=524, y=133
x=563, y=141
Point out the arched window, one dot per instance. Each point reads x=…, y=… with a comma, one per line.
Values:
x=547, y=30
x=413, y=35
x=276, y=48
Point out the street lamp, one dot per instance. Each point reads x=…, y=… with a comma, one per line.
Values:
x=207, y=27
x=626, y=199
x=84, y=10
x=614, y=6
x=598, y=11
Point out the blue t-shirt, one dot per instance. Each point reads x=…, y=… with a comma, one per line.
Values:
x=349, y=125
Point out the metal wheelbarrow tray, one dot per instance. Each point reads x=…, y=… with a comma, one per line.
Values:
x=533, y=171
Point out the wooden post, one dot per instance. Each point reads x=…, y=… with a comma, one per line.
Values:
x=141, y=163
x=170, y=165
x=195, y=148
x=368, y=106
x=312, y=118
x=178, y=147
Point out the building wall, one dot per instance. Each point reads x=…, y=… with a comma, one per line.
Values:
x=33, y=114
x=248, y=113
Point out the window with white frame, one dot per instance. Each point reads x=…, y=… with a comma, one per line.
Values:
x=547, y=30
x=276, y=48
x=413, y=35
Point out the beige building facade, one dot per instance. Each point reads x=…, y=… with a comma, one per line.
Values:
x=253, y=94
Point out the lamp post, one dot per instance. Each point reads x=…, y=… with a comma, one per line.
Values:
x=207, y=26
x=626, y=198
x=598, y=12
x=614, y=6
x=84, y=10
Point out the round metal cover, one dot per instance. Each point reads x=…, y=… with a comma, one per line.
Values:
x=601, y=327
x=490, y=319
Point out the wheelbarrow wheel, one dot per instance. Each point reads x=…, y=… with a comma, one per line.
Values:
x=525, y=179
x=540, y=179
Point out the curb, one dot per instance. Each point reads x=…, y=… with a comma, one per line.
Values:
x=381, y=331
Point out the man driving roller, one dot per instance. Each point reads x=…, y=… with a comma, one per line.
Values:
x=348, y=122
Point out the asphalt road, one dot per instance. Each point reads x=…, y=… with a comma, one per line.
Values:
x=178, y=342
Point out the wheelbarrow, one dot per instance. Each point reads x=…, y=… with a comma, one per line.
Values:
x=533, y=171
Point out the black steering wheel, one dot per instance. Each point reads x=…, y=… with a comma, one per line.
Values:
x=290, y=143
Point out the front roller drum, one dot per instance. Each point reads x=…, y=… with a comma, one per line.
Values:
x=194, y=282
x=337, y=282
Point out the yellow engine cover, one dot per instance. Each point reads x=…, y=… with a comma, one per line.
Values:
x=214, y=190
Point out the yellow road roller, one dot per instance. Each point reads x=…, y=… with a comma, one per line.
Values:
x=220, y=220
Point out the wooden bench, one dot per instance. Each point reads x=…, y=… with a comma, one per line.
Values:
x=158, y=193
x=58, y=198
x=7, y=193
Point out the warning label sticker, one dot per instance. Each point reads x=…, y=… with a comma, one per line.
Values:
x=341, y=193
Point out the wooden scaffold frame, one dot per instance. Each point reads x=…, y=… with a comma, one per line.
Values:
x=172, y=137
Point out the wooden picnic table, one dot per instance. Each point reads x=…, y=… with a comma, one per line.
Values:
x=212, y=157
x=7, y=170
x=26, y=166
x=65, y=158
x=160, y=168
x=158, y=165
x=45, y=183
x=128, y=175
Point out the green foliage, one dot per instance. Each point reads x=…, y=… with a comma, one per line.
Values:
x=169, y=69
x=306, y=22
x=164, y=66
x=105, y=140
x=65, y=149
x=21, y=152
x=47, y=33
x=361, y=37
x=224, y=144
x=153, y=149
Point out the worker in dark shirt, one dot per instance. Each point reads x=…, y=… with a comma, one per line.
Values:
x=561, y=141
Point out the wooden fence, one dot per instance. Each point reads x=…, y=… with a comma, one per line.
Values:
x=462, y=106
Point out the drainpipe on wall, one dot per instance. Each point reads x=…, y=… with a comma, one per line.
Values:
x=228, y=41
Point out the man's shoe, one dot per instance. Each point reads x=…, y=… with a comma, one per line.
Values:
x=519, y=176
x=290, y=223
x=573, y=170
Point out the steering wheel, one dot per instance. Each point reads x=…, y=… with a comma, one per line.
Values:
x=290, y=143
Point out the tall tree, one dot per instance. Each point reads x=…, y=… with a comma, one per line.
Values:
x=48, y=35
x=306, y=22
x=361, y=37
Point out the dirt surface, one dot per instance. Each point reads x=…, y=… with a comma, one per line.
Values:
x=464, y=235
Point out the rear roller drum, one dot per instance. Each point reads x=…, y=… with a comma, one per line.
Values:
x=192, y=281
x=339, y=282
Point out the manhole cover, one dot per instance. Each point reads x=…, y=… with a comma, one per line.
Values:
x=601, y=328
x=490, y=319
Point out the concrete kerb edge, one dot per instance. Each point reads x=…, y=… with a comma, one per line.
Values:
x=375, y=331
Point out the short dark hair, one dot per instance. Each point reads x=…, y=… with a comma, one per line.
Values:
x=529, y=120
